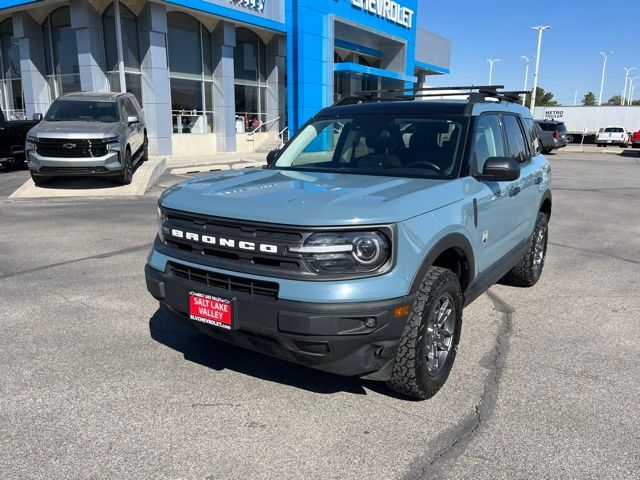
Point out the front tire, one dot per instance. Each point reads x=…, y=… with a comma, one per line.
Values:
x=126, y=176
x=39, y=180
x=430, y=339
x=528, y=271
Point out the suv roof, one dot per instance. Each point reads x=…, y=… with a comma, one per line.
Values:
x=95, y=96
x=398, y=102
x=555, y=122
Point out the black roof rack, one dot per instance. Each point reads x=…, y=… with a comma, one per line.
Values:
x=477, y=93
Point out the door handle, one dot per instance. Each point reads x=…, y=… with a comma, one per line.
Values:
x=514, y=191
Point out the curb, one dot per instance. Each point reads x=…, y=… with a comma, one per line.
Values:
x=145, y=176
x=217, y=167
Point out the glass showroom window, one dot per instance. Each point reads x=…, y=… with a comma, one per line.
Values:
x=61, y=54
x=190, y=74
x=250, y=78
x=130, y=56
x=11, y=98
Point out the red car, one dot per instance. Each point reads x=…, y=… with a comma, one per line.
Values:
x=635, y=140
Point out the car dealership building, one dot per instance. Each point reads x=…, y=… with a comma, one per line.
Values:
x=213, y=75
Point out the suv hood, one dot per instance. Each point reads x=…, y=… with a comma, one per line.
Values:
x=310, y=198
x=74, y=129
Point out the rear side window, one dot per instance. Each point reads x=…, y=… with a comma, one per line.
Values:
x=515, y=139
x=547, y=127
x=532, y=133
x=487, y=140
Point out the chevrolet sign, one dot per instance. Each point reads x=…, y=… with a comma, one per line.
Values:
x=389, y=9
x=257, y=5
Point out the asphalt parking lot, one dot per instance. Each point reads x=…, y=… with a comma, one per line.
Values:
x=99, y=383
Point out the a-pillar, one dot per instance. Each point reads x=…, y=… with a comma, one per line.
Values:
x=276, y=91
x=224, y=104
x=87, y=24
x=28, y=33
x=156, y=91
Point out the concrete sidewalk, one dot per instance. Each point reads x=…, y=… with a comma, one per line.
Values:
x=214, y=163
x=593, y=149
x=144, y=177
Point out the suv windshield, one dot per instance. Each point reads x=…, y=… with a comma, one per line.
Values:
x=551, y=127
x=82, y=110
x=428, y=147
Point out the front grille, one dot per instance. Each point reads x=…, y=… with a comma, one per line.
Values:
x=72, y=148
x=224, y=282
x=257, y=262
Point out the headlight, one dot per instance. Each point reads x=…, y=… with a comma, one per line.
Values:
x=30, y=144
x=345, y=252
x=112, y=143
x=161, y=219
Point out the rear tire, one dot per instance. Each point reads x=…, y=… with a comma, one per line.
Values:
x=429, y=343
x=126, y=176
x=528, y=271
x=145, y=149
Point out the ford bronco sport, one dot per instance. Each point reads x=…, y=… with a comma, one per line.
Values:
x=355, y=250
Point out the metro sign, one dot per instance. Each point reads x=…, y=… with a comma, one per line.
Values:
x=257, y=5
x=389, y=9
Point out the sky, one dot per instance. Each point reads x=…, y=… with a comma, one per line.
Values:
x=569, y=61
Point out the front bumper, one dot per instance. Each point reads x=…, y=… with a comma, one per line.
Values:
x=108, y=164
x=327, y=336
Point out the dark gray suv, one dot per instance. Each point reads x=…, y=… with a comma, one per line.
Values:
x=555, y=130
x=88, y=134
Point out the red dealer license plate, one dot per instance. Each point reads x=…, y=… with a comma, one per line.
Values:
x=212, y=310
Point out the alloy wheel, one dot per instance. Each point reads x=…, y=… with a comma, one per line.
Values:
x=440, y=329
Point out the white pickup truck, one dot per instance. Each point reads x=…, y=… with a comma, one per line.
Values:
x=612, y=136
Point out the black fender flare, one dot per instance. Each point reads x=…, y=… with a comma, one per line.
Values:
x=451, y=240
x=546, y=196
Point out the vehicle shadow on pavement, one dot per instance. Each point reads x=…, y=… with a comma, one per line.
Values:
x=81, y=182
x=219, y=355
x=630, y=153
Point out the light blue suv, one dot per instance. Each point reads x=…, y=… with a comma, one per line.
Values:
x=355, y=250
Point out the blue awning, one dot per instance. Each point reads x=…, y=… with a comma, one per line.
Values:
x=378, y=72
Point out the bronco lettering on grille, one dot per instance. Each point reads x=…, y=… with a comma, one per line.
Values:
x=224, y=242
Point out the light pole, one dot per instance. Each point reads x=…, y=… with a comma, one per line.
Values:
x=527, y=60
x=540, y=29
x=604, y=68
x=491, y=61
x=575, y=98
x=632, y=88
x=626, y=79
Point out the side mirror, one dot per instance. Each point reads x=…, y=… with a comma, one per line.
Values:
x=131, y=119
x=272, y=156
x=37, y=117
x=500, y=169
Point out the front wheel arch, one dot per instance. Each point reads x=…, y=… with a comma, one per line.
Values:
x=451, y=244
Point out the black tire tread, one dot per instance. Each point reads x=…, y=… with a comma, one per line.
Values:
x=405, y=376
x=523, y=274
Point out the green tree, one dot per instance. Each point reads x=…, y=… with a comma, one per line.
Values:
x=589, y=99
x=615, y=100
x=543, y=99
